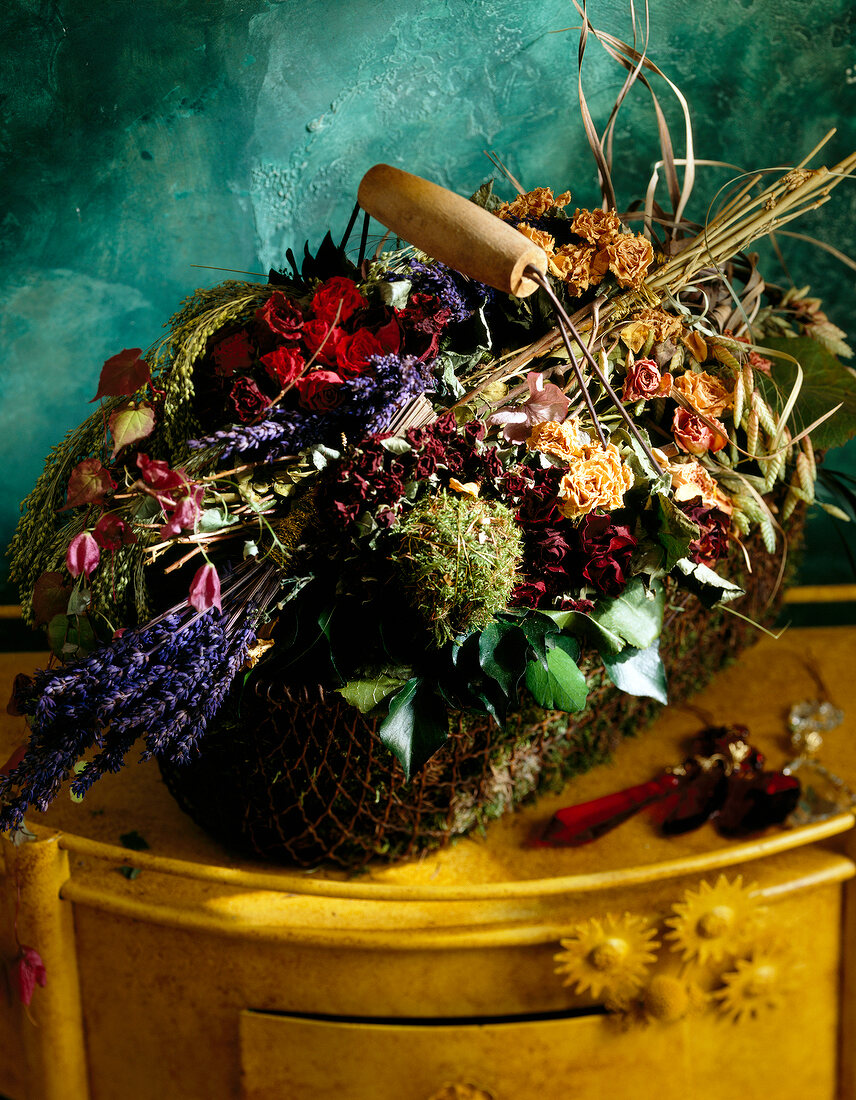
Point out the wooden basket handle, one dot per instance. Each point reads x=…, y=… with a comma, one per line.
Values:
x=451, y=229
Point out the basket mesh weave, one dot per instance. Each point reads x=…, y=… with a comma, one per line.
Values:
x=301, y=777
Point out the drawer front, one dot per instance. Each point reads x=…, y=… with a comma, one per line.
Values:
x=585, y=1057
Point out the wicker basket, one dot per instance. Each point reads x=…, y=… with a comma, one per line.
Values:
x=301, y=777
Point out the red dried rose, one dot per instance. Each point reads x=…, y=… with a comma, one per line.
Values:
x=336, y=296
x=283, y=364
x=694, y=436
x=247, y=399
x=354, y=352
x=234, y=353
x=320, y=390
x=644, y=380
x=322, y=342
x=280, y=315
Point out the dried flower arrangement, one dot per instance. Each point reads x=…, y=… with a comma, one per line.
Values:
x=431, y=496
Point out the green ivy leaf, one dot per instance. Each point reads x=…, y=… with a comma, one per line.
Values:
x=638, y=672
x=584, y=626
x=502, y=649
x=416, y=726
x=130, y=424
x=536, y=629
x=561, y=685
x=676, y=531
x=710, y=588
x=826, y=383
x=365, y=695
x=636, y=615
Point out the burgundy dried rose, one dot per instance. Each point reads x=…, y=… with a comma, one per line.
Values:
x=694, y=436
x=644, y=380
x=713, y=525
x=608, y=548
x=284, y=364
x=549, y=550
x=234, y=353
x=281, y=316
x=337, y=296
x=247, y=399
x=530, y=594
x=320, y=390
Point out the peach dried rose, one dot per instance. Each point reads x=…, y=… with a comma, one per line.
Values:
x=537, y=236
x=694, y=436
x=690, y=480
x=566, y=440
x=596, y=226
x=644, y=380
x=707, y=395
x=599, y=480
x=629, y=257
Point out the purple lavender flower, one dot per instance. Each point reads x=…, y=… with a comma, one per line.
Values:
x=461, y=297
x=161, y=683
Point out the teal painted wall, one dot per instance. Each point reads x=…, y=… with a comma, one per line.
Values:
x=140, y=137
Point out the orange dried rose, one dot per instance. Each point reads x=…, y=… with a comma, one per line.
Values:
x=566, y=440
x=596, y=226
x=629, y=256
x=599, y=480
x=534, y=203
x=707, y=395
x=537, y=236
x=580, y=266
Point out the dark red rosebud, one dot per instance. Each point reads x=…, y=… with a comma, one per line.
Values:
x=320, y=390
x=338, y=295
x=234, y=353
x=445, y=426
x=549, y=550
x=713, y=525
x=111, y=532
x=322, y=341
x=474, y=432
x=247, y=399
x=284, y=364
x=530, y=594
x=281, y=316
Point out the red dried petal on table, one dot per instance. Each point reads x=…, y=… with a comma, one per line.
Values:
x=90, y=480
x=21, y=751
x=29, y=972
x=123, y=374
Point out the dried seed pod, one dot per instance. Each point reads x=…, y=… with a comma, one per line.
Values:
x=739, y=398
x=752, y=433
x=741, y=521
x=804, y=473
x=808, y=449
x=765, y=413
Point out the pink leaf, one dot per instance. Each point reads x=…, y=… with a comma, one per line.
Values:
x=205, y=589
x=545, y=402
x=157, y=473
x=130, y=424
x=82, y=555
x=123, y=374
x=88, y=483
x=184, y=515
x=50, y=597
x=29, y=972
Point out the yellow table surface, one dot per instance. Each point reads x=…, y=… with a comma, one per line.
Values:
x=756, y=691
